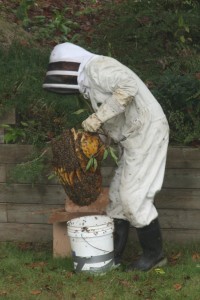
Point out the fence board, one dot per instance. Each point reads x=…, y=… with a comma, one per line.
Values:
x=25, y=232
x=181, y=236
x=178, y=236
x=1, y=135
x=2, y=173
x=29, y=213
x=183, y=157
x=25, y=193
x=174, y=178
x=182, y=219
x=182, y=178
x=14, y=153
x=178, y=202
x=178, y=198
x=3, y=213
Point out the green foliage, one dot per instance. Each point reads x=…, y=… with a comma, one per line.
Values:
x=12, y=135
x=56, y=27
x=40, y=115
x=31, y=171
x=153, y=32
x=112, y=153
x=22, y=11
x=44, y=29
x=179, y=96
x=37, y=274
x=93, y=163
x=160, y=42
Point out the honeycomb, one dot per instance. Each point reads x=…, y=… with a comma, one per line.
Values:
x=71, y=154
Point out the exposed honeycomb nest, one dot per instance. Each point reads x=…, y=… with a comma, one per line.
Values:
x=71, y=153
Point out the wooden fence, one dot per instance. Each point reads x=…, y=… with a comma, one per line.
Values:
x=21, y=205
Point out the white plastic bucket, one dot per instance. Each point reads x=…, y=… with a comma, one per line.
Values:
x=91, y=239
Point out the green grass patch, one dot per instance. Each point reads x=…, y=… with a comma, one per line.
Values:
x=28, y=271
x=40, y=115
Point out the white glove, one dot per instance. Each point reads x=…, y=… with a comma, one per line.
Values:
x=92, y=123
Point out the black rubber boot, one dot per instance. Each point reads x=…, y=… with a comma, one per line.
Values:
x=121, y=230
x=151, y=242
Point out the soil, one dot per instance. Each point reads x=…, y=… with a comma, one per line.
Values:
x=9, y=32
x=86, y=13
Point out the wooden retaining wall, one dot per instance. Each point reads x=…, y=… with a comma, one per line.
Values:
x=21, y=205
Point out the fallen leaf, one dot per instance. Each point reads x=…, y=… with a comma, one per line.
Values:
x=36, y=292
x=25, y=246
x=139, y=292
x=195, y=256
x=125, y=283
x=177, y=286
x=69, y=274
x=34, y=265
x=3, y=293
x=90, y=279
x=197, y=75
x=73, y=295
x=174, y=258
x=159, y=271
x=136, y=277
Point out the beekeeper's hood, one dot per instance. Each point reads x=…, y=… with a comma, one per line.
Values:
x=65, y=68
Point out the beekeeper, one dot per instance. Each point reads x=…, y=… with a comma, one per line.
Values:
x=126, y=109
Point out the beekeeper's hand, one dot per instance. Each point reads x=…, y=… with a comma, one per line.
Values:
x=92, y=123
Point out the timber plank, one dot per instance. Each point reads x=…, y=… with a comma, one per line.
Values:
x=3, y=213
x=183, y=157
x=1, y=135
x=26, y=193
x=175, y=236
x=30, y=213
x=177, y=157
x=14, y=153
x=2, y=173
x=174, y=178
x=178, y=198
x=44, y=180
x=179, y=219
x=182, y=178
x=107, y=173
x=25, y=232
x=181, y=236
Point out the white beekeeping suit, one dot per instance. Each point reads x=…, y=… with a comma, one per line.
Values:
x=132, y=117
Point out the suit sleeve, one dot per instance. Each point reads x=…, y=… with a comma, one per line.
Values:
x=118, y=82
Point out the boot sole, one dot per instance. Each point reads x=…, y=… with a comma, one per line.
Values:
x=161, y=263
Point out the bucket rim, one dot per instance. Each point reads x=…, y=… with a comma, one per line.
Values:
x=75, y=222
x=91, y=216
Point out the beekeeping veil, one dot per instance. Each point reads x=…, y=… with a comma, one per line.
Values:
x=65, y=68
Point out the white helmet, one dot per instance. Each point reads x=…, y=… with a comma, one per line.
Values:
x=66, y=62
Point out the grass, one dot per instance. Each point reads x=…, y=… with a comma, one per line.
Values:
x=28, y=271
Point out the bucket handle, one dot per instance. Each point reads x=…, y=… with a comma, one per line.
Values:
x=94, y=246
